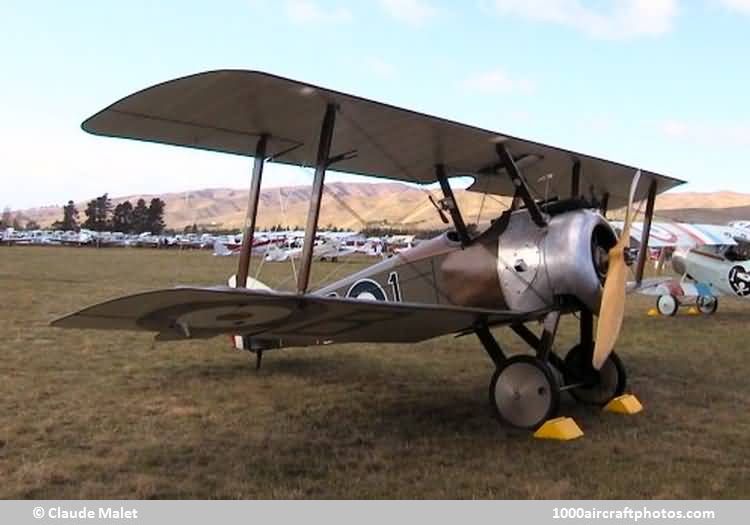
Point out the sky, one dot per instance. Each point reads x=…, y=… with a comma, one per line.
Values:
x=659, y=84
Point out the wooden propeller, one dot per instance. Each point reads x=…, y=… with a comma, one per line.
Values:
x=612, y=309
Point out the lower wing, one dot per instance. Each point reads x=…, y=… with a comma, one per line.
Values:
x=281, y=319
x=673, y=286
x=653, y=286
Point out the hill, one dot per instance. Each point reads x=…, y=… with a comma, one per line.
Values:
x=352, y=205
x=348, y=205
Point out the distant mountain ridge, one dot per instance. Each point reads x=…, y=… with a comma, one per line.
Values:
x=358, y=204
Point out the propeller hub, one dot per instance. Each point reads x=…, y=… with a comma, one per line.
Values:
x=602, y=240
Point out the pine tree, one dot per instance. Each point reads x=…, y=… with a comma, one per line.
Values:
x=97, y=213
x=140, y=217
x=103, y=211
x=69, y=221
x=90, y=212
x=156, y=216
x=122, y=218
x=6, y=219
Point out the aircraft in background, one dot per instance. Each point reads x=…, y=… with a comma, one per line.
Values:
x=8, y=235
x=712, y=261
x=228, y=245
x=222, y=250
x=539, y=260
x=372, y=247
x=326, y=249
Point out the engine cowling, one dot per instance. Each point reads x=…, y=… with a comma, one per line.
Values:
x=567, y=258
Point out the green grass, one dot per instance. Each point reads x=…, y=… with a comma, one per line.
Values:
x=112, y=415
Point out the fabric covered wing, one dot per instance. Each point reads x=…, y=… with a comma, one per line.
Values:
x=682, y=235
x=653, y=286
x=681, y=288
x=228, y=110
x=286, y=319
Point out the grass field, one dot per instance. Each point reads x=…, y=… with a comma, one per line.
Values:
x=111, y=415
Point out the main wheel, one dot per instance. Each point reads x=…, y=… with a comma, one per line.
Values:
x=524, y=392
x=707, y=304
x=667, y=305
x=598, y=387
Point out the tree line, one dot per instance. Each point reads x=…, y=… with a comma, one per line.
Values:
x=125, y=218
x=9, y=220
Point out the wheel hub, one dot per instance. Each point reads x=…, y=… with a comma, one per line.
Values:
x=597, y=386
x=524, y=392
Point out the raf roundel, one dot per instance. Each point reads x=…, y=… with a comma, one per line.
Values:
x=237, y=317
x=367, y=289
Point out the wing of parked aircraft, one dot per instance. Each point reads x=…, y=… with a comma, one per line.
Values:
x=277, y=318
x=682, y=235
x=677, y=287
x=228, y=110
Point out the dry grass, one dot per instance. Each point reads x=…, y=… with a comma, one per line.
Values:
x=111, y=415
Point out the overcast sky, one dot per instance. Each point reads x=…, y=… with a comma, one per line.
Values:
x=662, y=84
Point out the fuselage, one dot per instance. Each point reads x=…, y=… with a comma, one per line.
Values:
x=513, y=265
x=721, y=269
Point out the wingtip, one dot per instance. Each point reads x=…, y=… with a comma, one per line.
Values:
x=59, y=322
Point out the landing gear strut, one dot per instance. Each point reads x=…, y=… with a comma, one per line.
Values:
x=525, y=390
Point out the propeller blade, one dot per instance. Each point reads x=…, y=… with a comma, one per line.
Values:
x=612, y=310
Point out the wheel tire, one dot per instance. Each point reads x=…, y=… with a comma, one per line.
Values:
x=524, y=392
x=601, y=386
x=707, y=304
x=667, y=305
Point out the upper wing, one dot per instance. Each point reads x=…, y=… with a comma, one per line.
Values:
x=228, y=110
x=682, y=235
x=284, y=318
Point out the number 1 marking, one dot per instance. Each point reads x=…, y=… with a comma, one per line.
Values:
x=393, y=281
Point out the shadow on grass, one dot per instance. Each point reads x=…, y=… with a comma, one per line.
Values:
x=402, y=400
x=343, y=368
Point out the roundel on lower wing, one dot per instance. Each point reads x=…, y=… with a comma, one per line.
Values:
x=739, y=280
x=234, y=316
x=368, y=290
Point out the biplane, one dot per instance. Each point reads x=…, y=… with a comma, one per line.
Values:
x=325, y=249
x=552, y=253
x=712, y=261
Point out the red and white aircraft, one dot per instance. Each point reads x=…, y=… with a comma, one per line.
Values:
x=711, y=260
